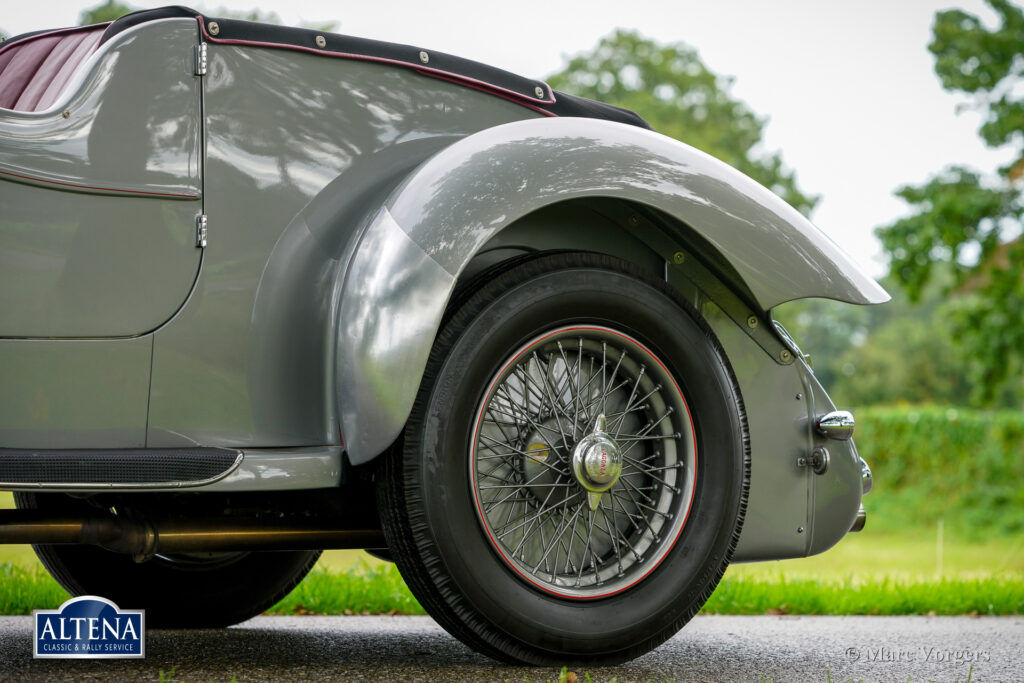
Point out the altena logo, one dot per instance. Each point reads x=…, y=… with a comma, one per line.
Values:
x=89, y=627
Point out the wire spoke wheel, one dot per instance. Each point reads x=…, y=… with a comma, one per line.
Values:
x=583, y=462
x=571, y=482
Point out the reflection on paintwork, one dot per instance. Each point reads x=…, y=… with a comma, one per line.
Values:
x=393, y=302
x=777, y=505
x=453, y=203
x=75, y=264
x=460, y=198
x=133, y=124
x=284, y=469
x=74, y=394
x=300, y=148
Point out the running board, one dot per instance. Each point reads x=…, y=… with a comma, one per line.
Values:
x=133, y=468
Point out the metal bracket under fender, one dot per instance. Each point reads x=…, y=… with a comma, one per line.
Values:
x=408, y=258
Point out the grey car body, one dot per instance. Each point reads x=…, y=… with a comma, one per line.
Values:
x=250, y=244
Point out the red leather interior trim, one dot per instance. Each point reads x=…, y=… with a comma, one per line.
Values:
x=34, y=70
x=46, y=70
x=82, y=51
x=20, y=70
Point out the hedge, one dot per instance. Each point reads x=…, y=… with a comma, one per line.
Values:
x=965, y=467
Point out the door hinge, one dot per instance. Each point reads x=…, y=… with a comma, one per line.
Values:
x=201, y=224
x=199, y=52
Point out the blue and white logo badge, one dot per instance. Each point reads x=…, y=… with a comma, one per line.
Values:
x=89, y=627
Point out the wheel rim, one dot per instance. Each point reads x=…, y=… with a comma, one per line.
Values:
x=555, y=515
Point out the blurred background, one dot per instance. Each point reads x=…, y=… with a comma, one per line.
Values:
x=898, y=128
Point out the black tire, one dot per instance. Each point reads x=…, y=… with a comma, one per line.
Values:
x=195, y=591
x=445, y=541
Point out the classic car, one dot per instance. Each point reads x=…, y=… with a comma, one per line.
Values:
x=267, y=291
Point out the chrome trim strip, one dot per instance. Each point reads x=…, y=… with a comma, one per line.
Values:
x=866, y=481
x=284, y=469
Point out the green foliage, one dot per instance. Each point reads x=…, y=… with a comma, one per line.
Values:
x=972, y=225
x=907, y=360
x=955, y=214
x=108, y=11
x=111, y=10
x=903, y=352
x=971, y=58
x=267, y=18
x=383, y=592
x=361, y=590
x=853, y=595
x=825, y=330
x=965, y=467
x=23, y=590
x=679, y=96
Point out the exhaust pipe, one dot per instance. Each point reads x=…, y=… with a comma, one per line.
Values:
x=860, y=520
x=143, y=539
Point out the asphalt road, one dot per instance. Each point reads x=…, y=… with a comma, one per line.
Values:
x=711, y=648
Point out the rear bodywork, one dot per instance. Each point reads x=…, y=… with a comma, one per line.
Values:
x=226, y=236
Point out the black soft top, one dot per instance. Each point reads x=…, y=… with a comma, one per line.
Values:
x=534, y=94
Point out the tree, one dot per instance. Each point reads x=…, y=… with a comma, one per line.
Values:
x=108, y=11
x=679, y=96
x=967, y=222
x=898, y=353
x=111, y=10
x=906, y=357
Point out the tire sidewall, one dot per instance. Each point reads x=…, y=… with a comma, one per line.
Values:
x=482, y=583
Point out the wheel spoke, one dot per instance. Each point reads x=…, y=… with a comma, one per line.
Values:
x=629, y=401
x=535, y=505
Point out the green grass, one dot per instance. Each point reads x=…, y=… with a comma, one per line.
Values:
x=380, y=590
x=23, y=590
x=910, y=555
x=867, y=573
x=932, y=465
x=360, y=590
x=875, y=596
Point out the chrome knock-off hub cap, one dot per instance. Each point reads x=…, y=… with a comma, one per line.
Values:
x=597, y=462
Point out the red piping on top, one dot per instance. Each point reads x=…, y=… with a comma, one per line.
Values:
x=118, y=190
x=489, y=91
x=458, y=79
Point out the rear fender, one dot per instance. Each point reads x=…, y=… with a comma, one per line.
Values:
x=409, y=256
